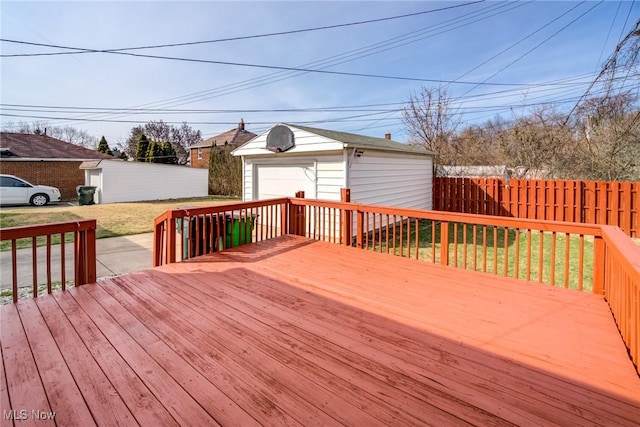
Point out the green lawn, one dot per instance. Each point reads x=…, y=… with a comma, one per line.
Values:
x=113, y=219
x=469, y=252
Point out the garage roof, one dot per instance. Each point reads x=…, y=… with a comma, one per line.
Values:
x=328, y=140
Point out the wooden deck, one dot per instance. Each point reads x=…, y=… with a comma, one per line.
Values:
x=298, y=332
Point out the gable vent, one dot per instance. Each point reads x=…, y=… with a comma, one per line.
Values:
x=280, y=139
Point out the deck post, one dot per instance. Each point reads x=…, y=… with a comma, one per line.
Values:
x=158, y=234
x=347, y=218
x=444, y=243
x=598, y=265
x=298, y=216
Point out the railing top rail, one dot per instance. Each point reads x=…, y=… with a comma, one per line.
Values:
x=190, y=211
x=624, y=248
x=36, y=230
x=558, y=226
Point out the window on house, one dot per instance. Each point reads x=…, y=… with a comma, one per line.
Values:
x=199, y=153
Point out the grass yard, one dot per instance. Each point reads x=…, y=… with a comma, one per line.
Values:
x=113, y=219
x=506, y=251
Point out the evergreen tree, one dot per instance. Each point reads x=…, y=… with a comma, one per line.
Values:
x=169, y=153
x=142, y=149
x=155, y=153
x=103, y=146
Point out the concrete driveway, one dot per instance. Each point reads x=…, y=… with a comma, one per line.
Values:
x=115, y=255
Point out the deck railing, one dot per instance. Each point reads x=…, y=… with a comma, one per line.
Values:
x=184, y=233
x=586, y=257
x=82, y=235
x=622, y=286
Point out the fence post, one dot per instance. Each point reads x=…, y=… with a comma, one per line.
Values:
x=347, y=219
x=444, y=243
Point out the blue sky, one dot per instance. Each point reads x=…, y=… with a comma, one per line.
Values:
x=443, y=45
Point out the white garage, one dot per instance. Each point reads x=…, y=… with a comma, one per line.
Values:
x=288, y=158
x=122, y=181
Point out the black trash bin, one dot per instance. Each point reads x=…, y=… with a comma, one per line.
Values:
x=85, y=194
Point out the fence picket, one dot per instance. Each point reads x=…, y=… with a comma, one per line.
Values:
x=589, y=202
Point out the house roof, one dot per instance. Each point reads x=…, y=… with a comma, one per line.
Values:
x=352, y=140
x=233, y=137
x=25, y=145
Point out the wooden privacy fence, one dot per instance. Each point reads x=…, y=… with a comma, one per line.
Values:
x=40, y=238
x=588, y=202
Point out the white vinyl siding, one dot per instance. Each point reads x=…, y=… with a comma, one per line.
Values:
x=135, y=181
x=247, y=180
x=305, y=142
x=330, y=177
x=380, y=178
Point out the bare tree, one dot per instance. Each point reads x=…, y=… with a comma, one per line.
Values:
x=64, y=133
x=431, y=121
x=180, y=137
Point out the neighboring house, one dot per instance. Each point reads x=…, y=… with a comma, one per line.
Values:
x=122, y=181
x=200, y=151
x=41, y=159
x=288, y=158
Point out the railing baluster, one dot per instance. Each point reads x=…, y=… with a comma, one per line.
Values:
x=540, y=255
x=484, y=248
x=581, y=262
x=464, y=246
x=417, y=238
x=566, y=259
x=553, y=258
x=34, y=261
x=516, y=260
x=63, y=266
x=14, y=269
x=495, y=249
x=475, y=247
x=528, y=254
x=48, y=263
x=505, y=270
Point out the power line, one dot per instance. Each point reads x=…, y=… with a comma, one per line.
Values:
x=536, y=46
x=78, y=50
x=519, y=41
x=344, y=57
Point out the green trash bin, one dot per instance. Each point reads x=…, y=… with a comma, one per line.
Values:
x=85, y=194
x=239, y=230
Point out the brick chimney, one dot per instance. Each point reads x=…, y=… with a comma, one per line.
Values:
x=241, y=125
x=387, y=136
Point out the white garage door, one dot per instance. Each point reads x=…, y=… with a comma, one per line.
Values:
x=285, y=180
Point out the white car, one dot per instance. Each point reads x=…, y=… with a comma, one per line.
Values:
x=17, y=191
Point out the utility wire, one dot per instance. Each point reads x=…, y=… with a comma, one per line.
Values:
x=518, y=42
x=536, y=46
x=78, y=50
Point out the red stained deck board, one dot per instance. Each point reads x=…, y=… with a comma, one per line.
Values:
x=296, y=332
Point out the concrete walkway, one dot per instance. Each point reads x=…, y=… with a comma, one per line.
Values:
x=115, y=255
